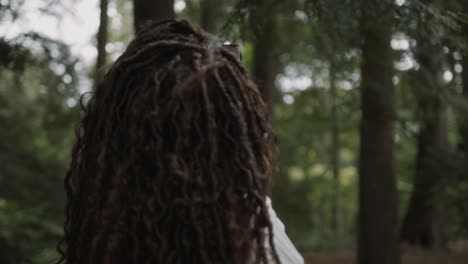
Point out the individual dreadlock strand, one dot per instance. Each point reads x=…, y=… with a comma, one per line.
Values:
x=258, y=123
x=151, y=30
x=196, y=58
x=68, y=230
x=154, y=46
x=241, y=123
x=252, y=157
x=170, y=27
x=151, y=38
x=73, y=219
x=234, y=60
x=210, y=127
x=119, y=107
x=200, y=241
x=265, y=216
x=198, y=177
x=135, y=242
x=109, y=218
x=219, y=235
x=89, y=208
x=261, y=256
x=244, y=102
x=237, y=79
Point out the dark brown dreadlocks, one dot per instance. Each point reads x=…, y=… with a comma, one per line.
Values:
x=173, y=158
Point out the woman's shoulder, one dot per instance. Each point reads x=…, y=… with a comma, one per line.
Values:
x=286, y=250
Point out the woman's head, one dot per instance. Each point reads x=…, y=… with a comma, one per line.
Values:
x=173, y=157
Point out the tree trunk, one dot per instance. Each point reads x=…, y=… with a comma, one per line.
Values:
x=462, y=206
x=102, y=41
x=378, y=213
x=145, y=11
x=265, y=66
x=335, y=159
x=464, y=119
x=209, y=11
x=465, y=96
x=423, y=223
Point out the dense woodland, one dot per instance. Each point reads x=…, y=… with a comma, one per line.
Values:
x=369, y=100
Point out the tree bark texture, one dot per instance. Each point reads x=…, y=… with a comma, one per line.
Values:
x=145, y=11
x=209, y=13
x=378, y=240
x=102, y=39
x=265, y=66
x=423, y=223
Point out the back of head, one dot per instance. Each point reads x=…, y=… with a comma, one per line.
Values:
x=173, y=158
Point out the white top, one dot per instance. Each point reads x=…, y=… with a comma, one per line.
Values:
x=287, y=253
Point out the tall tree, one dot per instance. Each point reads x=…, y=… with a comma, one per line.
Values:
x=378, y=215
x=464, y=117
x=102, y=38
x=423, y=223
x=335, y=156
x=266, y=62
x=209, y=11
x=463, y=125
x=334, y=35
x=151, y=10
x=424, y=220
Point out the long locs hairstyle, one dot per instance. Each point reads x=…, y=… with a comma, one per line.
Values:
x=173, y=158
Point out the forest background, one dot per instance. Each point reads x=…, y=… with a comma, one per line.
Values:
x=369, y=101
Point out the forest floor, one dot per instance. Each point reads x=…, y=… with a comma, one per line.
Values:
x=455, y=255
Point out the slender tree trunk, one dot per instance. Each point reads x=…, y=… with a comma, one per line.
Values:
x=102, y=39
x=462, y=206
x=209, y=12
x=335, y=158
x=378, y=213
x=145, y=11
x=423, y=223
x=464, y=119
x=265, y=66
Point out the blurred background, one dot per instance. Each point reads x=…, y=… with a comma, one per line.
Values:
x=369, y=100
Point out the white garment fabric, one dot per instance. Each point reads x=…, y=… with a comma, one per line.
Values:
x=287, y=253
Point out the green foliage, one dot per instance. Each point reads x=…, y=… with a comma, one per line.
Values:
x=304, y=188
x=38, y=108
